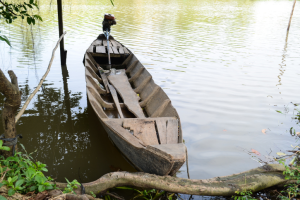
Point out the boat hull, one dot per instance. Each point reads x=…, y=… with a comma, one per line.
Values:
x=161, y=158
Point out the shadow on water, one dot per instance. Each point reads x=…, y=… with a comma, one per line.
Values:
x=70, y=140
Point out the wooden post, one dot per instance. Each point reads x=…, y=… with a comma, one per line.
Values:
x=63, y=52
x=288, y=28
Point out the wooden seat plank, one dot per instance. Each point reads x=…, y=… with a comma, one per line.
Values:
x=162, y=130
x=116, y=100
x=115, y=50
x=130, y=98
x=110, y=50
x=105, y=43
x=167, y=130
x=121, y=50
x=172, y=131
x=100, y=49
x=126, y=50
x=90, y=49
x=97, y=42
x=115, y=43
x=143, y=129
x=124, y=133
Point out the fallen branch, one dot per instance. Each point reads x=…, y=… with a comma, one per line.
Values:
x=41, y=82
x=254, y=180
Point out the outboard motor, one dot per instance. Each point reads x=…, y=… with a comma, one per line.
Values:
x=108, y=21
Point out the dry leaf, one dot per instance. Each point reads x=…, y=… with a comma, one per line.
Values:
x=281, y=154
x=264, y=131
x=256, y=152
x=224, y=130
x=297, y=133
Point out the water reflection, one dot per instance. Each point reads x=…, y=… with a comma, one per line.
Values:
x=69, y=139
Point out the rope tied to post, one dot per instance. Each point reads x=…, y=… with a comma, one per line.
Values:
x=11, y=141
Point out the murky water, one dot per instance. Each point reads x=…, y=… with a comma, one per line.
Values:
x=224, y=64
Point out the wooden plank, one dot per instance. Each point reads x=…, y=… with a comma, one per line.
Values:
x=172, y=131
x=105, y=43
x=110, y=50
x=130, y=98
x=116, y=100
x=90, y=49
x=126, y=50
x=100, y=49
x=97, y=42
x=115, y=43
x=121, y=50
x=167, y=130
x=162, y=130
x=124, y=133
x=175, y=151
x=143, y=129
x=115, y=50
x=105, y=81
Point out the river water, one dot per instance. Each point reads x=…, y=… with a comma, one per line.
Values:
x=225, y=64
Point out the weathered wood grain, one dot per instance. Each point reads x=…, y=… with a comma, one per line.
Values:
x=90, y=49
x=116, y=100
x=143, y=129
x=130, y=98
x=97, y=43
x=105, y=81
x=115, y=50
x=172, y=131
x=115, y=43
x=121, y=50
x=100, y=49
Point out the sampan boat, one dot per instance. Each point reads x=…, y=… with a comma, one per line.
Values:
x=135, y=112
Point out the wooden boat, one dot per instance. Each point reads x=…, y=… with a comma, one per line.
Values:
x=135, y=112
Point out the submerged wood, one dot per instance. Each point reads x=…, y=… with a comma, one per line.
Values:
x=254, y=180
x=148, y=132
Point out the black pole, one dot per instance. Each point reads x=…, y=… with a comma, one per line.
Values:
x=63, y=52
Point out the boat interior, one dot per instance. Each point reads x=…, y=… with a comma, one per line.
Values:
x=126, y=97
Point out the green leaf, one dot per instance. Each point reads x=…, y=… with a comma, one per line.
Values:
x=2, y=198
x=14, y=179
x=19, y=182
x=32, y=188
x=1, y=184
x=5, y=148
x=67, y=181
x=31, y=1
x=11, y=192
x=41, y=188
x=30, y=171
x=9, y=179
x=44, y=169
x=4, y=38
x=39, y=178
x=49, y=187
x=5, y=182
x=28, y=20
